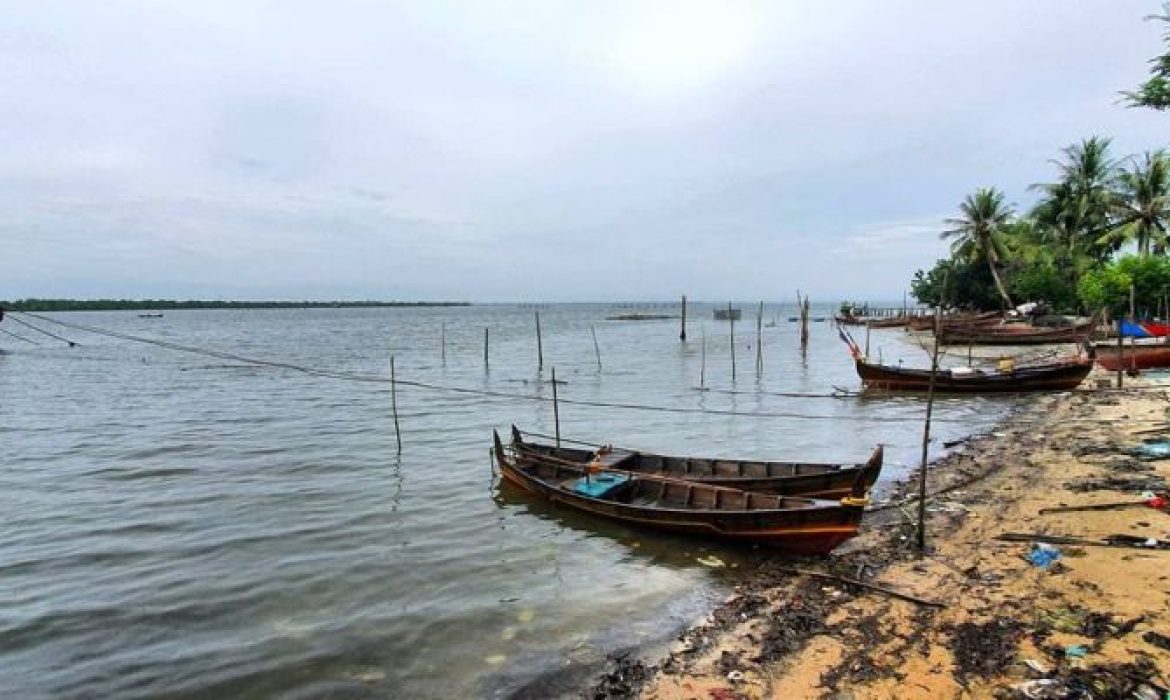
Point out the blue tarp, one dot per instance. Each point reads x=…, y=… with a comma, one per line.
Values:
x=599, y=484
x=1133, y=330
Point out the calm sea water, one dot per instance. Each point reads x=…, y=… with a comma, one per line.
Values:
x=186, y=526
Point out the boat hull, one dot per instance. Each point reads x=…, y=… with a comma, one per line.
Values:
x=796, y=525
x=810, y=479
x=1056, y=377
x=1133, y=356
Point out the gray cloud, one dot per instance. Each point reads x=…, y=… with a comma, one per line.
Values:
x=533, y=150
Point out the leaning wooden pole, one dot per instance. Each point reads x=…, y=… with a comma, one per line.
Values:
x=556, y=408
x=682, y=333
x=596, y=348
x=539, y=346
x=926, y=443
x=394, y=404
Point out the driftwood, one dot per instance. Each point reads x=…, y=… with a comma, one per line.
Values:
x=862, y=584
x=1116, y=505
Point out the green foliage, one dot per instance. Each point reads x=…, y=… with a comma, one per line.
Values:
x=1155, y=91
x=953, y=283
x=1108, y=286
x=1047, y=284
x=1105, y=288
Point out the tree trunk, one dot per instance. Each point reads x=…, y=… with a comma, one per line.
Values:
x=999, y=285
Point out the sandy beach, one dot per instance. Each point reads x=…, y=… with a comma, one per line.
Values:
x=987, y=621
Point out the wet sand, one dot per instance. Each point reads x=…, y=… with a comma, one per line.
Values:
x=1004, y=627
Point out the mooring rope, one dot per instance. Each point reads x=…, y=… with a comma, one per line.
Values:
x=41, y=330
x=19, y=337
x=378, y=379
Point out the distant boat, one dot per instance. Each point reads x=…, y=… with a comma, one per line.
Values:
x=158, y=315
x=728, y=314
x=638, y=317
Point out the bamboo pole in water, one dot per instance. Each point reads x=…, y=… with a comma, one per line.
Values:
x=596, y=349
x=926, y=442
x=703, y=362
x=485, y=348
x=731, y=320
x=803, y=325
x=556, y=408
x=682, y=333
x=443, y=343
x=760, y=340
x=394, y=404
x=539, y=346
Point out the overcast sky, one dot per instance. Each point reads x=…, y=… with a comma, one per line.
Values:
x=500, y=151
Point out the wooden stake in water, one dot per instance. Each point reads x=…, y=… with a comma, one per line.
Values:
x=443, y=343
x=596, y=349
x=731, y=320
x=682, y=334
x=556, y=408
x=703, y=362
x=485, y=348
x=394, y=404
x=760, y=341
x=804, y=326
x=539, y=346
x=926, y=442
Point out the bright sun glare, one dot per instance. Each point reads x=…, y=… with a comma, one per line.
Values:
x=675, y=47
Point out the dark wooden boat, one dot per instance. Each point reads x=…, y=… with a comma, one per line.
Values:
x=794, y=524
x=1132, y=356
x=926, y=322
x=1014, y=334
x=1057, y=376
x=888, y=322
x=812, y=479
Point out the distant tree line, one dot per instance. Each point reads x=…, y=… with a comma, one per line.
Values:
x=1099, y=228
x=33, y=304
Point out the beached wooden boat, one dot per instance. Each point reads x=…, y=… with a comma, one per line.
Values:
x=1057, y=376
x=888, y=322
x=1132, y=355
x=926, y=322
x=794, y=524
x=813, y=479
x=1014, y=334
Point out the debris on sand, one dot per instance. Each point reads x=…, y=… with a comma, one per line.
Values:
x=984, y=650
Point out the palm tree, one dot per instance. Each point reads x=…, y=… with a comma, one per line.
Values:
x=1141, y=205
x=978, y=233
x=1076, y=208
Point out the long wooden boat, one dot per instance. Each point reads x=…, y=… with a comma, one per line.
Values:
x=1058, y=376
x=1014, y=334
x=926, y=322
x=794, y=524
x=812, y=479
x=1132, y=355
x=887, y=322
